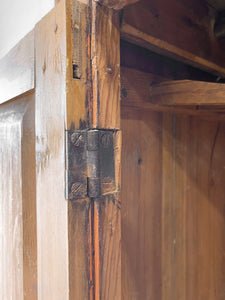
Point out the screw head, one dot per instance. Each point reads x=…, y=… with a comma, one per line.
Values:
x=77, y=189
x=77, y=139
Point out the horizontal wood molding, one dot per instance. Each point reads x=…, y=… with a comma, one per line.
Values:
x=17, y=69
x=180, y=30
x=187, y=92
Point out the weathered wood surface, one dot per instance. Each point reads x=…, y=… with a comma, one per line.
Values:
x=181, y=30
x=187, y=92
x=17, y=69
x=18, y=255
x=141, y=190
x=107, y=245
x=172, y=202
x=78, y=52
x=104, y=112
x=193, y=209
x=78, y=91
x=52, y=208
x=105, y=56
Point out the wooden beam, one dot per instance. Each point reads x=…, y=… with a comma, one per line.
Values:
x=17, y=69
x=187, y=92
x=116, y=4
x=179, y=29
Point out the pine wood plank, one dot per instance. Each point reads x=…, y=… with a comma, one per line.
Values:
x=104, y=112
x=78, y=93
x=81, y=263
x=180, y=184
x=105, y=55
x=107, y=245
x=52, y=208
x=141, y=190
x=187, y=92
x=17, y=69
x=180, y=30
x=78, y=53
x=193, y=208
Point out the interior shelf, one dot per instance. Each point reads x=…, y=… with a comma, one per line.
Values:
x=188, y=92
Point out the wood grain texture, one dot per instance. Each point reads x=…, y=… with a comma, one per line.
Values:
x=52, y=208
x=18, y=263
x=107, y=245
x=104, y=111
x=193, y=209
x=78, y=44
x=172, y=203
x=107, y=236
x=17, y=69
x=105, y=56
x=160, y=27
x=136, y=96
x=141, y=191
x=81, y=264
x=116, y=4
x=78, y=90
x=187, y=92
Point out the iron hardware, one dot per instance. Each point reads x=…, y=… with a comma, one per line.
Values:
x=90, y=166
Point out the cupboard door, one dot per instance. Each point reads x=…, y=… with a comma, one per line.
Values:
x=18, y=269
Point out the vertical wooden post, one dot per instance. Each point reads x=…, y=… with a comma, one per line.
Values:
x=105, y=109
x=78, y=242
x=52, y=209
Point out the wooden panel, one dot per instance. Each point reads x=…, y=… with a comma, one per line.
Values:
x=173, y=220
x=193, y=210
x=187, y=92
x=141, y=194
x=179, y=29
x=105, y=55
x=18, y=255
x=17, y=69
x=52, y=208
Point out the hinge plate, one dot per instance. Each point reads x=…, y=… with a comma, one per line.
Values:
x=90, y=165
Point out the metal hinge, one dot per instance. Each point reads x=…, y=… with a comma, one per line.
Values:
x=90, y=166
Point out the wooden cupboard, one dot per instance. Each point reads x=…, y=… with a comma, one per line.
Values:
x=144, y=218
